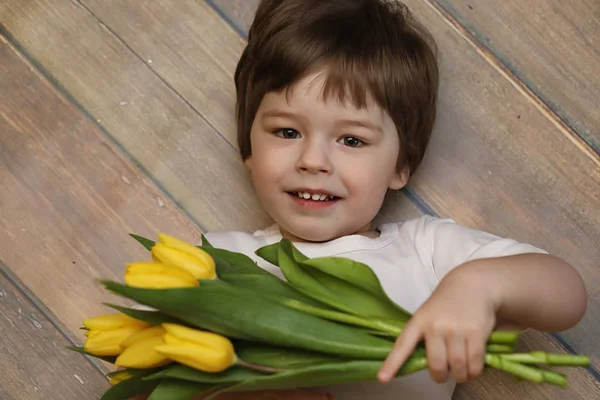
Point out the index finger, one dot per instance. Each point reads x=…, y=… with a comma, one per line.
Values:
x=403, y=348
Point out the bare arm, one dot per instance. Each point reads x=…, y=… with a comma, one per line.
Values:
x=531, y=290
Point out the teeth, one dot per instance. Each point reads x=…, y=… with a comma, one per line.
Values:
x=314, y=196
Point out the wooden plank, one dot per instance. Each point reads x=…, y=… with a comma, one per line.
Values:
x=559, y=60
x=159, y=129
x=68, y=198
x=497, y=164
x=34, y=359
x=499, y=385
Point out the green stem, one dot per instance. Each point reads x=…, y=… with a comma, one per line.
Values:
x=526, y=372
x=504, y=337
x=259, y=367
x=377, y=324
x=413, y=364
x=499, y=348
x=539, y=357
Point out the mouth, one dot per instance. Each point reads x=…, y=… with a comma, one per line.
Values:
x=314, y=196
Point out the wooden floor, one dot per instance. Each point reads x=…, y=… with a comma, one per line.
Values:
x=116, y=116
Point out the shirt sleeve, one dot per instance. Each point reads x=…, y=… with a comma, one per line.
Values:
x=445, y=245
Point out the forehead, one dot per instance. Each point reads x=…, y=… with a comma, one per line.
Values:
x=313, y=92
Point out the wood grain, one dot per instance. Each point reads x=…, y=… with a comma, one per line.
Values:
x=559, y=60
x=497, y=164
x=153, y=124
x=68, y=199
x=35, y=364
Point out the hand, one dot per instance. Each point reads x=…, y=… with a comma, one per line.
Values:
x=455, y=322
x=265, y=395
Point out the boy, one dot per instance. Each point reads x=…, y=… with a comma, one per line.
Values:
x=336, y=103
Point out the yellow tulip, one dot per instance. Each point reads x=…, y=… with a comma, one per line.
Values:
x=139, y=349
x=107, y=343
x=119, y=377
x=107, y=332
x=113, y=321
x=205, y=351
x=158, y=276
x=172, y=251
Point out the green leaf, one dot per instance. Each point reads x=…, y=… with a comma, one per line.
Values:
x=131, y=387
x=174, y=389
x=151, y=317
x=269, y=253
x=279, y=357
x=332, y=291
x=109, y=359
x=357, y=274
x=244, y=314
x=205, y=242
x=182, y=372
x=240, y=270
x=320, y=375
x=147, y=243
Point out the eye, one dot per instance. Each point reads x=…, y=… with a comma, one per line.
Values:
x=287, y=133
x=351, y=141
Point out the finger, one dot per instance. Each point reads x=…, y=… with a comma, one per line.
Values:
x=457, y=358
x=436, y=357
x=476, y=356
x=403, y=347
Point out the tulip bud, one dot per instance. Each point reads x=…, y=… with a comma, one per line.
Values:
x=112, y=321
x=172, y=251
x=119, y=377
x=157, y=276
x=139, y=349
x=107, y=343
x=107, y=332
x=205, y=351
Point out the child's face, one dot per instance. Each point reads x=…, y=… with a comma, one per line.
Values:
x=307, y=146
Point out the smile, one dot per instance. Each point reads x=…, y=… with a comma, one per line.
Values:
x=313, y=196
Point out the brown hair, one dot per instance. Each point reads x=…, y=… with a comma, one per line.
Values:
x=367, y=46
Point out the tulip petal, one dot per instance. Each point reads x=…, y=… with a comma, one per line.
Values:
x=199, y=268
x=197, y=337
x=202, y=358
x=112, y=321
x=157, y=276
x=190, y=249
x=108, y=343
x=142, y=354
x=156, y=331
x=119, y=377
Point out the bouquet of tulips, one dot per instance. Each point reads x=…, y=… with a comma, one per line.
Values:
x=216, y=322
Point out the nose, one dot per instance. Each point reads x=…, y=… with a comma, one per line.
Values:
x=315, y=158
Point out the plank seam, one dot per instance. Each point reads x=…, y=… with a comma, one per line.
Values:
x=426, y=208
x=586, y=147
x=227, y=20
x=144, y=61
x=100, y=130
x=35, y=302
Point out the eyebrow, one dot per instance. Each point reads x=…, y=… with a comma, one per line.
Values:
x=345, y=122
x=281, y=114
x=362, y=124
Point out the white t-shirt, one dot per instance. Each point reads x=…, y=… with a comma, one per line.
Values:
x=409, y=258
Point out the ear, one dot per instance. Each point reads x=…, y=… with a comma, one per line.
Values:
x=400, y=179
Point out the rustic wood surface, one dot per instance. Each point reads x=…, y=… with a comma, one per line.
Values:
x=34, y=362
x=117, y=117
x=559, y=60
